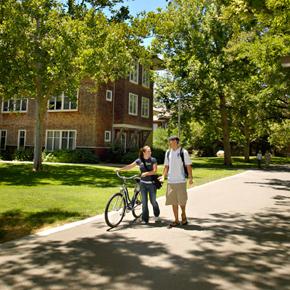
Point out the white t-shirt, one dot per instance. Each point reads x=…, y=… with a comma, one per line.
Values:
x=176, y=170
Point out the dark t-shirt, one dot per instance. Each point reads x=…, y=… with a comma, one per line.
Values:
x=149, y=163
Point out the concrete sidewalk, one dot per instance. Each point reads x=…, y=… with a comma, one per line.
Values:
x=238, y=238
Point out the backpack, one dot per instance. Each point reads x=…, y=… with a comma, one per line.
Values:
x=182, y=158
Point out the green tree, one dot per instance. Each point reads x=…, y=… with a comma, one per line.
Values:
x=192, y=37
x=45, y=51
x=280, y=136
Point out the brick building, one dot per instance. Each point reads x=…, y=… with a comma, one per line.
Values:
x=117, y=115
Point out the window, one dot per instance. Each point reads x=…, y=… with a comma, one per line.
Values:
x=145, y=107
x=134, y=74
x=57, y=139
x=21, y=139
x=107, y=136
x=145, y=78
x=109, y=95
x=3, y=136
x=15, y=105
x=62, y=103
x=133, y=104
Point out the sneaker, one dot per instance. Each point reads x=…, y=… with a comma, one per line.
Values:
x=157, y=219
x=144, y=222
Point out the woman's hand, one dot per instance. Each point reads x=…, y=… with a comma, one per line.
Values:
x=144, y=174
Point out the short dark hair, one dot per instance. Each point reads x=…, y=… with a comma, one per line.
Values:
x=172, y=138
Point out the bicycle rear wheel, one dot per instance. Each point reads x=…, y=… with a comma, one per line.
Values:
x=137, y=208
x=115, y=210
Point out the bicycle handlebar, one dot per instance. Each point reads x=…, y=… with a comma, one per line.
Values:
x=127, y=178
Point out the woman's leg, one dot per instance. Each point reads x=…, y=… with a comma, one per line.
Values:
x=145, y=212
x=152, y=196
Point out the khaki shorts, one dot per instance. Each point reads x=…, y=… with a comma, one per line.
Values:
x=176, y=194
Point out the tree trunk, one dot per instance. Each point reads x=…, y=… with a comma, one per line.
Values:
x=38, y=133
x=247, y=144
x=226, y=133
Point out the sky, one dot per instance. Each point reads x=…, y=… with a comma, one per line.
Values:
x=137, y=6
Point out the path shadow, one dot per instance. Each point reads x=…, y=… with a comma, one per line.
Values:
x=234, y=252
x=275, y=183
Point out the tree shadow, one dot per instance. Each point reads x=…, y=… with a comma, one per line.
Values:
x=275, y=183
x=21, y=174
x=17, y=223
x=234, y=252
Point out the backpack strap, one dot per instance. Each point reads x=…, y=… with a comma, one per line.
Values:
x=182, y=156
x=145, y=165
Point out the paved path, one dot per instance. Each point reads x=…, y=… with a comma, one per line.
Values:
x=238, y=238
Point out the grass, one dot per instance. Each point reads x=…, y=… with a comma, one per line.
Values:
x=64, y=193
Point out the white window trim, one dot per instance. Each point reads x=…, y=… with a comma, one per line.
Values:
x=142, y=107
x=130, y=74
x=5, y=142
x=14, y=111
x=111, y=95
x=130, y=113
x=75, y=139
x=110, y=136
x=18, y=139
x=143, y=73
x=62, y=104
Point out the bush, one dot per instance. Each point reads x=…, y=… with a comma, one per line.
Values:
x=5, y=155
x=71, y=156
x=159, y=154
x=23, y=155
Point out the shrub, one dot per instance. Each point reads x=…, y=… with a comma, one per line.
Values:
x=71, y=156
x=23, y=155
x=159, y=154
x=6, y=155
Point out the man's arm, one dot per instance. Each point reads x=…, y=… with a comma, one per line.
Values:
x=164, y=173
x=189, y=171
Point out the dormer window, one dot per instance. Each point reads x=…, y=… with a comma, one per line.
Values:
x=145, y=78
x=134, y=74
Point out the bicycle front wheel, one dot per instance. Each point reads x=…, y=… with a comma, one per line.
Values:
x=137, y=208
x=115, y=210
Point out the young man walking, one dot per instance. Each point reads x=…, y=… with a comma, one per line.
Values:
x=176, y=158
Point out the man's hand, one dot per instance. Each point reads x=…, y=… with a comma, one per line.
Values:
x=161, y=178
x=190, y=181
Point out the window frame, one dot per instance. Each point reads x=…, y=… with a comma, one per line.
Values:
x=60, y=137
x=136, y=105
x=108, y=140
x=145, y=82
x=143, y=106
x=5, y=141
x=18, y=139
x=14, y=106
x=111, y=95
x=62, y=96
x=134, y=74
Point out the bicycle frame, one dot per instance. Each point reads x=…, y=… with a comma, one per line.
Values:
x=124, y=189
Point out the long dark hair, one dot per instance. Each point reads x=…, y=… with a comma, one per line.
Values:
x=141, y=152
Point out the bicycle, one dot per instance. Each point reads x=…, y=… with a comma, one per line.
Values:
x=120, y=202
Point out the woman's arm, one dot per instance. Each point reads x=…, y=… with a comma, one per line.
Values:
x=127, y=167
x=152, y=172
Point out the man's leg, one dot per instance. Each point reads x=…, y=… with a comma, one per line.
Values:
x=183, y=214
x=175, y=212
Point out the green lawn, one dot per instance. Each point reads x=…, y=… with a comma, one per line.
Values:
x=64, y=193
